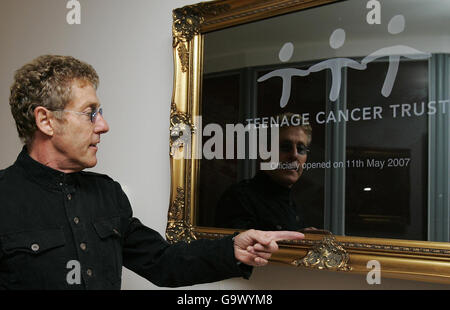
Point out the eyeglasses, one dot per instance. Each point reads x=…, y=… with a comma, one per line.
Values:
x=301, y=148
x=92, y=115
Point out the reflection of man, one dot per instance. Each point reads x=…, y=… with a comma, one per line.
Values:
x=62, y=228
x=265, y=201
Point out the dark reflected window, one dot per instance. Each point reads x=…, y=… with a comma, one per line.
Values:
x=387, y=156
x=221, y=100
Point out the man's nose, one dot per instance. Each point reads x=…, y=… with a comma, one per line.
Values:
x=101, y=125
x=293, y=153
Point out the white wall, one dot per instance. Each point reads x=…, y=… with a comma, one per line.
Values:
x=129, y=44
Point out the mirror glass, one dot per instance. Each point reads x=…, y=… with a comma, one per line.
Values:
x=335, y=118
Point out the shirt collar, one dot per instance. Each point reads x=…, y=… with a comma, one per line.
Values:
x=43, y=174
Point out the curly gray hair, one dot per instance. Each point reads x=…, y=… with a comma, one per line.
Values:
x=46, y=81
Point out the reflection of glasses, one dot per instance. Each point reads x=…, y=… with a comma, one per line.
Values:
x=92, y=115
x=301, y=148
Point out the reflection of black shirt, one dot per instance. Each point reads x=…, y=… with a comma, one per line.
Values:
x=48, y=219
x=259, y=203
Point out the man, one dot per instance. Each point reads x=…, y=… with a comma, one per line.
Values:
x=63, y=228
x=265, y=202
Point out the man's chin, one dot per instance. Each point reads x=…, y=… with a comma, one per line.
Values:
x=90, y=164
x=289, y=181
x=287, y=178
x=291, y=174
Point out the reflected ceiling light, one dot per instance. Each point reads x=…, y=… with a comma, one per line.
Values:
x=367, y=189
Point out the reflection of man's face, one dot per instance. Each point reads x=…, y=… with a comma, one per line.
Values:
x=293, y=146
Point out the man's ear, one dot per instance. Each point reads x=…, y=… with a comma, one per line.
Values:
x=44, y=120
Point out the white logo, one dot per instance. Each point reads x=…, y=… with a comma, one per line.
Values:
x=74, y=15
x=213, y=148
x=74, y=275
x=374, y=275
x=374, y=16
x=337, y=39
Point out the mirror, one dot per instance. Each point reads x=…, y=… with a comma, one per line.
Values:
x=324, y=116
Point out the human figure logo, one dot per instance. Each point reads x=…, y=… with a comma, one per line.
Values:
x=335, y=65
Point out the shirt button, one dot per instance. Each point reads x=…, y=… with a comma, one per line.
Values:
x=60, y=184
x=89, y=272
x=76, y=220
x=279, y=227
x=83, y=246
x=35, y=247
x=69, y=196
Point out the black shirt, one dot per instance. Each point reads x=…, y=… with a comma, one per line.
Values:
x=258, y=203
x=50, y=221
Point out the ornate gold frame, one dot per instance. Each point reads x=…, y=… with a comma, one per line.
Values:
x=413, y=260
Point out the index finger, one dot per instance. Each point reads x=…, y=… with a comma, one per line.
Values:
x=284, y=235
